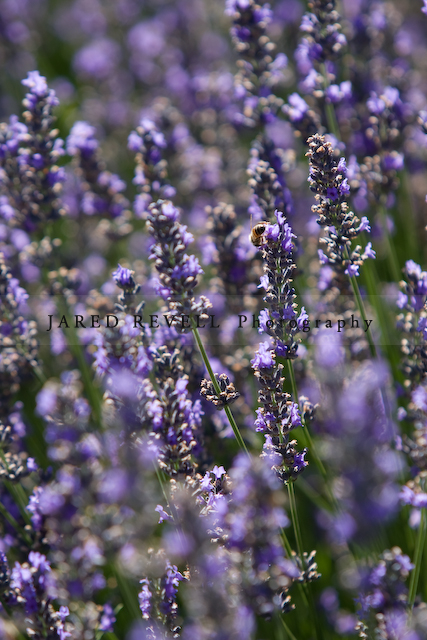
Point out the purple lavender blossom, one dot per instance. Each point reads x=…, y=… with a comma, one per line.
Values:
x=124, y=278
x=19, y=347
x=29, y=159
x=177, y=271
x=328, y=180
x=82, y=139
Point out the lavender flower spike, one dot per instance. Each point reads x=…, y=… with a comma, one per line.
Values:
x=328, y=180
x=30, y=182
x=177, y=271
x=18, y=343
x=278, y=415
x=259, y=69
x=280, y=320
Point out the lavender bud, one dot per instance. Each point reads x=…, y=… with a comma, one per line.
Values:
x=228, y=393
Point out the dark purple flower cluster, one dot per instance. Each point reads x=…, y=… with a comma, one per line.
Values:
x=14, y=463
x=126, y=349
x=231, y=260
x=227, y=395
x=171, y=417
x=215, y=603
x=164, y=412
x=328, y=180
x=386, y=117
x=94, y=505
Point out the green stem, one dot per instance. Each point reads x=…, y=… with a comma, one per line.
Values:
x=316, y=498
x=294, y=517
x=331, y=118
x=108, y=635
x=385, y=317
x=372, y=347
x=298, y=538
x=286, y=543
x=128, y=594
x=361, y=307
x=391, y=251
x=307, y=434
x=91, y=390
x=161, y=478
x=16, y=491
x=288, y=631
x=408, y=219
x=227, y=409
x=39, y=374
x=297, y=530
x=20, y=498
x=288, y=548
x=293, y=380
x=6, y=607
x=419, y=548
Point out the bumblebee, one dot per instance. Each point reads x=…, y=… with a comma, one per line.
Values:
x=257, y=233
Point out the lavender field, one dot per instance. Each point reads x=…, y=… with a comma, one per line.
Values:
x=213, y=320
